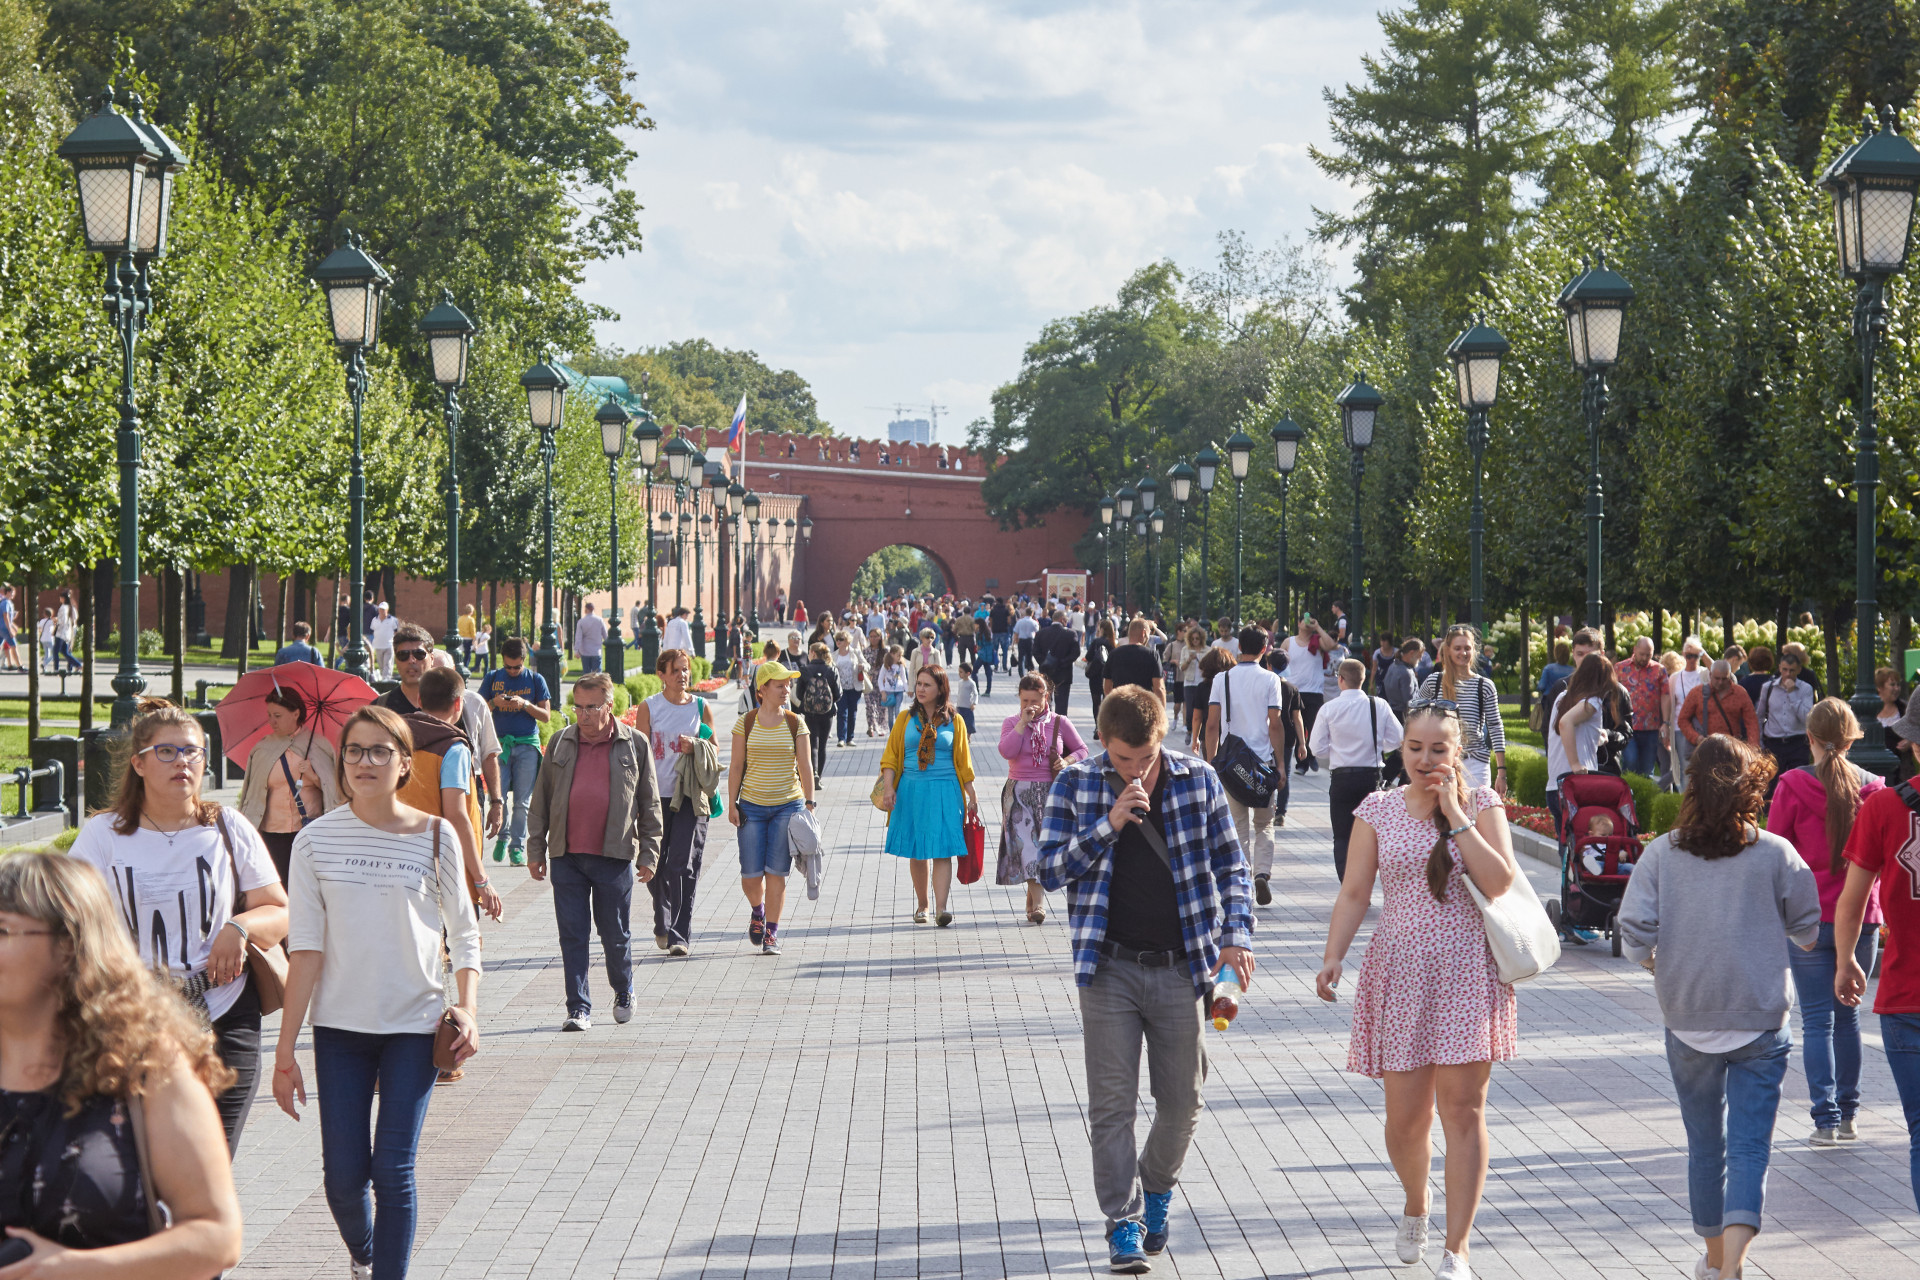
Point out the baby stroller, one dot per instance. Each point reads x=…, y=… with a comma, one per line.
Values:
x=1590, y=899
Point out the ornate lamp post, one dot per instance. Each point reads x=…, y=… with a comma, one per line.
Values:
x=715, y=482
x=736, y=503
x=680, y=454
x=1872, y=184
x=646, y=448
x=1596, y=305
x=751, y=504
x=613, y=419
x=1359, y=411
x=449, y=334
x=1123, y=505
x=1181, y=476
x=546, y=405
x=1149, y=490
x=124, y=167
x=1286, y=435
x=1106, y=552
x=1476, y=367
x=1156, y=525
x=1207, y=463
x=1239, y=454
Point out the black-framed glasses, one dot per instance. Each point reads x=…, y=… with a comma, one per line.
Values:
x=380, y=753
x=411, y=655
x=168, y=752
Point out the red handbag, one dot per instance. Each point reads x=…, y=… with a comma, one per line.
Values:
x=974, y=861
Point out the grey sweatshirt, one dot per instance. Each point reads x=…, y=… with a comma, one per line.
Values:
x=1721, y=927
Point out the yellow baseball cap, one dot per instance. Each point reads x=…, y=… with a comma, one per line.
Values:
x=769, y=671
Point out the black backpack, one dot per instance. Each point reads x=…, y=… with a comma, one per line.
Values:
x=1247, y=778
x=816, y=694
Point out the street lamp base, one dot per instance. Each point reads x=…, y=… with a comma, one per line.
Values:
x=1870, y=753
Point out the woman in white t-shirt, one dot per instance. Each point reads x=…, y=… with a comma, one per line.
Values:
x=1307, y=670
x=671, y=721
x=170, y=859
x=1574, y=725
x=377, y=885
x=482, y=646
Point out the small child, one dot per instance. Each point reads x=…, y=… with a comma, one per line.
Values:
x=962, y=695
x=45, y=632
x=1593, y=857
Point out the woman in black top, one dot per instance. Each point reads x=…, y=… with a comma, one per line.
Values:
x=102, y=1056
x=1099, y=649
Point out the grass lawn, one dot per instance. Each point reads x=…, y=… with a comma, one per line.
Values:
x=1517, y=729
x=16, y=708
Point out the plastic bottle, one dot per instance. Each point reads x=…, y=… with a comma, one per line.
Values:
x=1226, y=998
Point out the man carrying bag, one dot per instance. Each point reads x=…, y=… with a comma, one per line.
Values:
x=1352, y=730
x=1243, y=743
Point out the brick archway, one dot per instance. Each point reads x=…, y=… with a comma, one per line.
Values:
x=864, y=495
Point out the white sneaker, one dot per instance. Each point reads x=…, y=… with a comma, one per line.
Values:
x=577, y=1022
x=1701, y=1271
x=1411, y=1240
x=1453, y=1267
x=359, y=1270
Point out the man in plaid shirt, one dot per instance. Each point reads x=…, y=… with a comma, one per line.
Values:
x=1157, y=901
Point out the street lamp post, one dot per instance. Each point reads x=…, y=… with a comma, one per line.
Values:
x=123, y=167
x=1149, y=490
x=1106, y=552
x=1359, y=412
x=1476, y=367
x=546, y=389
x=449, y=334
x=613, y=419
x=1596, y=305
x=751, y=505
x=1181, y=476
x=806, y=538
x=680, y=454
x=646, y=447
x=1207, y=463
x=1123, y=507
x=1872, y=184
x=1239, y=453
x=714, y=482
x=1156, y=525
x=1286, y=435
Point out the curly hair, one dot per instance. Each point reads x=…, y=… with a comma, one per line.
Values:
x=1726, y=789
x=120, y=1025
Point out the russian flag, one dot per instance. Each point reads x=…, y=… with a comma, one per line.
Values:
x=737, y=433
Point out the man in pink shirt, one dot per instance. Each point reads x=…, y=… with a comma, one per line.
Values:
x=1646, y=684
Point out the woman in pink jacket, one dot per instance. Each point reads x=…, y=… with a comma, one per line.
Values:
x=1814, y=807
x=1036, y=743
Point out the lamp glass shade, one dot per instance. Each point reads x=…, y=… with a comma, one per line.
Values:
x=1159, y=521
x=1239, y=453
x=1106, y=511
x=736, y=498
x=1885, y=214
x=449, y=333
x=1476, y=356
x=752, y=503
x=114, y=157
x=1873, y=184
x=156, y=195
x=1207, y=462
x=1149, y=490
x=1182, y=477
x=806, y=529
x=1596, y=305
x=613, y=419
x=109, y=194
x=355, y=286
x=546, y=406
x=1359, y=428
x=1123, y=501
x=1286, y=435
x=646, y=441
x=680, y=454
x=1844, y=238
x=1140, y=527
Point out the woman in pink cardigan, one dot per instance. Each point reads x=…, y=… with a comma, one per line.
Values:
x=1036, y=743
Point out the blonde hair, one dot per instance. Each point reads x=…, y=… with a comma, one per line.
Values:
x=153, y=715
x=120, y=1025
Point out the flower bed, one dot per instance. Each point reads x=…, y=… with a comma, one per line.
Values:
x=1538, y=821
x=708, y=686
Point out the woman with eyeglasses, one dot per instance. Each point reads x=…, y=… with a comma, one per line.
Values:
x=377, y=885
x=1456, y=681
x=289, y=780
x=195, y=883
x=1430, y=1014
x=101, y=1060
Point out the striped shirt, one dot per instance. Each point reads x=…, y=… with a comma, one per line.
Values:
x=772, y=775
x=1479, y=714
x=1077, y=844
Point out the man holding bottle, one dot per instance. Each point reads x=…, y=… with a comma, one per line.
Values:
x=1142, y=841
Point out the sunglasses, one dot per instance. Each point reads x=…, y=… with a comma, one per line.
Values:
x=1440, y=706
x=168, y=753
x=411, y=655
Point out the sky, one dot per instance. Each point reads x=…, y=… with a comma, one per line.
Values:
x=892, y=197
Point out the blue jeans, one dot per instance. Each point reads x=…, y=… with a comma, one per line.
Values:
x=1830, y=1032
x=523, y=766
x=1900, y=1032
x=849, y=708
x=763, y=839
x=966, y=718
x=63, y=652
x=593, y=892
x=589, y=663
x=1729, y=1101
x=347, y=1065
x=1642, y=754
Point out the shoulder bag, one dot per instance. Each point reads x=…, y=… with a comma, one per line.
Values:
x=1055, y=761
x=266, y=965
x=1522, y=939
x=1247, y=777
x=293, y=788
x=445, y=1031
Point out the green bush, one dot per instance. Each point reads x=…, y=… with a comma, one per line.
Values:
x=1666, y=810
x=641, y=687
x=1527, y=776
x=702, y=669
x=1645, y=791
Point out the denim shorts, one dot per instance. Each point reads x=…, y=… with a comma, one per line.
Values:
x=764, y=850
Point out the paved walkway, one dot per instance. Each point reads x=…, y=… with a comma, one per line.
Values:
x=885, y=1100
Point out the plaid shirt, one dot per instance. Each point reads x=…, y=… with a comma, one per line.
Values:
x=1209, y=871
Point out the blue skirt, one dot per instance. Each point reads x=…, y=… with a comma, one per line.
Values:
x=927, y=809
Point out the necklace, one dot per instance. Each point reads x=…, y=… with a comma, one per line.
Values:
x=170, y=835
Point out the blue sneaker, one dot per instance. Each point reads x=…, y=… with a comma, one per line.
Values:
x=1155, y=1222
x=1124, y=1257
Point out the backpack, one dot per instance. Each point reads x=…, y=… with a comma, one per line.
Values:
x=816, y=695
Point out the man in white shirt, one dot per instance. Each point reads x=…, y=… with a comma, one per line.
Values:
x=679, y=632
x=1692, y=673
x=589, y=638
x=1255, y=721
x=1352, y=731
x=380, y=635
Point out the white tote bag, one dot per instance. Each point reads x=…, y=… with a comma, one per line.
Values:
x=1523, y=941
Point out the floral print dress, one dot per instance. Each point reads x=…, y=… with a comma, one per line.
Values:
x=1429, y=993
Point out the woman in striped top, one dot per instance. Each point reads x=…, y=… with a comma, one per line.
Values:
x=769, y=777
x=1455, y=681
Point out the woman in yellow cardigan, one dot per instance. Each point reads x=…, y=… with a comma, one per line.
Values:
x=927, y=801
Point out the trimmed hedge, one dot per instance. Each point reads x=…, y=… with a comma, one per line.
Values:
x=1645, y=791
x=1666, y=811
x=1527, y=775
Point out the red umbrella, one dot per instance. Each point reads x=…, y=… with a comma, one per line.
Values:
x=331, y=697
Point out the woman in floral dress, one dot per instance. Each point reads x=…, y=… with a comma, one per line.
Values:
x=1431, y=1015
x=1036, y=743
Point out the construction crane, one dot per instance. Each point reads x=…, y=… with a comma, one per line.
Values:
x=899, y=412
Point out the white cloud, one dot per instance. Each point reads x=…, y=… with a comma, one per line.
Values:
x=893, y=196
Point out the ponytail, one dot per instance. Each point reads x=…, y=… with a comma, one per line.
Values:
x=1832, y=725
